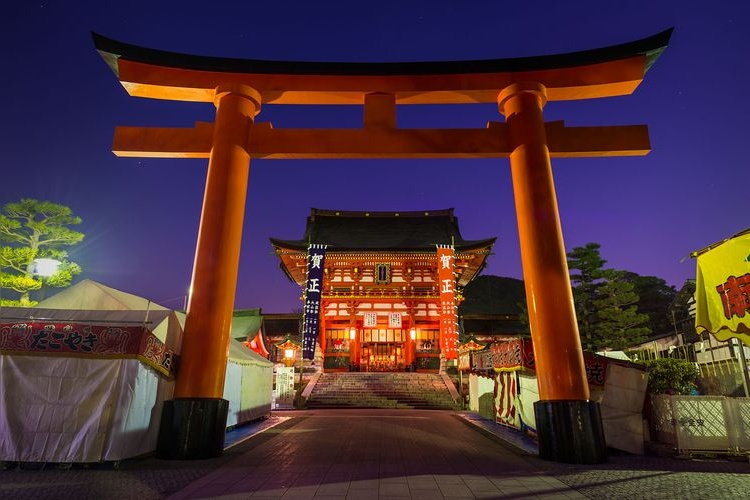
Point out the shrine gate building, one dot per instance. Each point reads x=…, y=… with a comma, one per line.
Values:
x=382, y=292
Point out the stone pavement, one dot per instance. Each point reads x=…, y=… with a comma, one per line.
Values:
x=376, y=454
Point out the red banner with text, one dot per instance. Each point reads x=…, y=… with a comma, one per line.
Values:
x=447, y=283
x=76, y=339
x=517, y=354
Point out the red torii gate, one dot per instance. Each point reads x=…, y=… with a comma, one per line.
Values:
x=568, y=424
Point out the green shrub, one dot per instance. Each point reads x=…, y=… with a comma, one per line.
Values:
x=428, y=363
x=671, y=376
x=336, y=362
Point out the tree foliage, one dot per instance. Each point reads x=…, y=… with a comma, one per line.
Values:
x=656, y=299
x=35, y=229
x=492, y=295
x=606, y=303
x=618, y=324
x=679, y=310
x=586, y=274
x=495, y=296
x=671, y=376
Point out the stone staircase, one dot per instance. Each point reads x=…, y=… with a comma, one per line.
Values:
x=383, y=390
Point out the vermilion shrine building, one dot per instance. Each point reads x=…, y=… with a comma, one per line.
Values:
x=380, y=303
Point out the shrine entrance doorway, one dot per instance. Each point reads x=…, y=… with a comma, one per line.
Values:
x=383, y=357
x=383, y=350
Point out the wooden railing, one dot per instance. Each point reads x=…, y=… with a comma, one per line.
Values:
x=382, y=293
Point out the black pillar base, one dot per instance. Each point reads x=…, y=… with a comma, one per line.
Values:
x=192, y=428
x=570, y=432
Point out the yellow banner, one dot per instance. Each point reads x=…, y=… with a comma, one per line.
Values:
x=723, y=289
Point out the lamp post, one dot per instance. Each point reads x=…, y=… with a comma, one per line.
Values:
x=289, y=355
x=285, y=377
x=44, y=268
x=413, y=348
x=353, y=349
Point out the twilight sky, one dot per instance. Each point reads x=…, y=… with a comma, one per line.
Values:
x=140, y=216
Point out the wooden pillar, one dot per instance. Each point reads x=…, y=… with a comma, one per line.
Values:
x=196, y=418
x=354, y=343
x=354, y=346
x=412, y=346
x=569, y=425
x=408, y=354
x=322, y=332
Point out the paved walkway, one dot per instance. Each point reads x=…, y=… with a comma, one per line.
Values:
x=377, y=454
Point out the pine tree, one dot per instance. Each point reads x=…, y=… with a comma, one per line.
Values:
x=606, y=303
x=619, y=324
x=587, y=264
x=35, y=229
x=655, y=298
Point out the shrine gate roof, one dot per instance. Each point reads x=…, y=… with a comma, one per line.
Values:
x=601, y=72
x=396, y=231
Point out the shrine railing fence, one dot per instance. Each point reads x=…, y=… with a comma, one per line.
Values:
x=696, y=424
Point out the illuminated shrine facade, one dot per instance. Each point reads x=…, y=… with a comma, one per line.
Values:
x=382, y=302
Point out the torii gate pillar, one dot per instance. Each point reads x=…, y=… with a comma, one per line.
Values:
x=193, y=423
x=569, y=426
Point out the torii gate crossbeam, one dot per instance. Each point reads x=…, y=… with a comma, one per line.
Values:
x=568, y=423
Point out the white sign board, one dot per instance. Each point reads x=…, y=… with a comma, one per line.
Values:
x=371, y=319
x=284, y=387
x=394, y=320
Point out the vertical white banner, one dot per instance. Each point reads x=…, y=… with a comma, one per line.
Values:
x=371, y=320
x=394, y=320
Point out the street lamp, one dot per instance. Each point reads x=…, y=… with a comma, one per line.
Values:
x=413, y=348
x=353, y=349
x=45, y=267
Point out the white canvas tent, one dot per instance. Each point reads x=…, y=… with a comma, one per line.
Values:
x=509, y=393
x=83, y=408
x=248, y=385
x=78, y=408
x=89, y=295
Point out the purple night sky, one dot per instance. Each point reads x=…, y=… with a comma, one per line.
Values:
x=140, y=216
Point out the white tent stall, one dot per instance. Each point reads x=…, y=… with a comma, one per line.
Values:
x=78, y=386
x=248, y=384
x=83, y=376
x=506, y=370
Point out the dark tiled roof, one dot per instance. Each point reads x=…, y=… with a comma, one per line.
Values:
x=111, y=50
x=281, y=324
x=406, y=231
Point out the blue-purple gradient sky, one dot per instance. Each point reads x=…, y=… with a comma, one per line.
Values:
x=61, y=104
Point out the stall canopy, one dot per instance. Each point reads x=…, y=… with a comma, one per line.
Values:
x=83, y=377
x=91, y=295
x=94, y=300
x=723, y=288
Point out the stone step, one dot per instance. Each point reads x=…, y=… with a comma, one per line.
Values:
x=381, y=390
